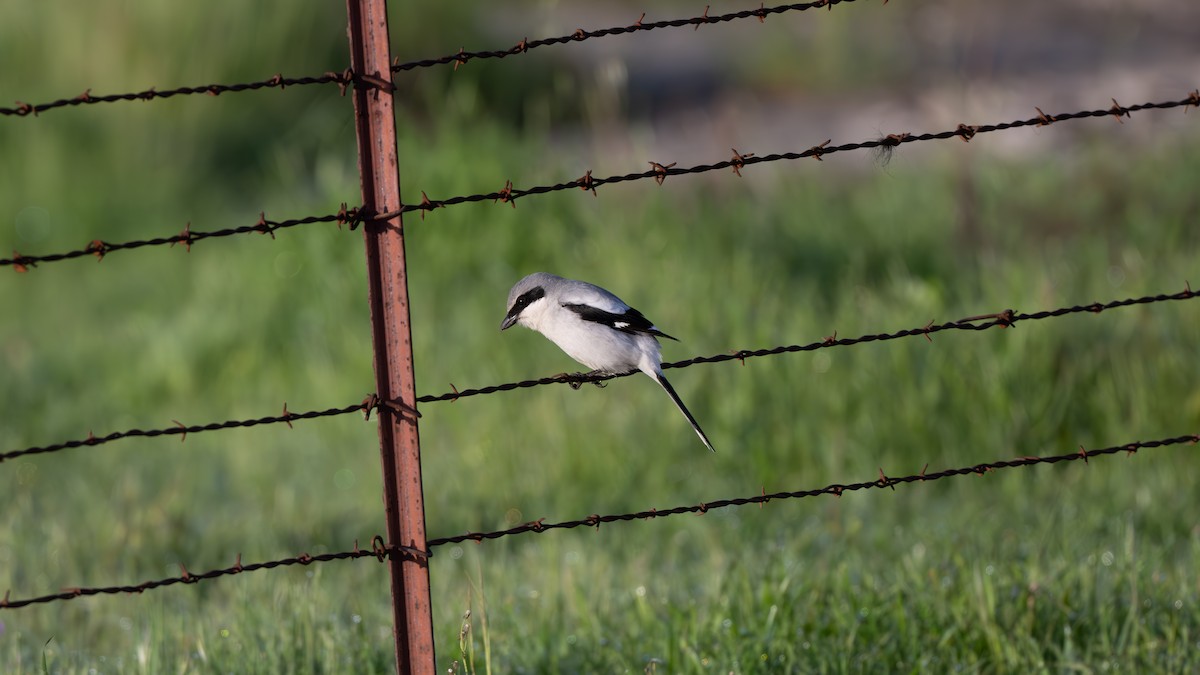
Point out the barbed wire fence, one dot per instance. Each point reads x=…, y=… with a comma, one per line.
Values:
x=367, y=214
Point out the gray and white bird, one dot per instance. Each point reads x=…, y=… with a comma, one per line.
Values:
x=594, y=327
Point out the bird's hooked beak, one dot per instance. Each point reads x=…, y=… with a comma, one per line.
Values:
x=520, y=304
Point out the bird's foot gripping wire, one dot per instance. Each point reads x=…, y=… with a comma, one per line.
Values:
x=577, y=383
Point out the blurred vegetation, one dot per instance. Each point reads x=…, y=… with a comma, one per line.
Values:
x=1081, y=567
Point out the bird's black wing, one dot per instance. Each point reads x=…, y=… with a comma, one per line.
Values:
x=630, y=321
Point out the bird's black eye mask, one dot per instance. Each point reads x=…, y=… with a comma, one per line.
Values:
x=527, y=298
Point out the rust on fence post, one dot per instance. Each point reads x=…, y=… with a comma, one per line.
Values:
x=375, y=127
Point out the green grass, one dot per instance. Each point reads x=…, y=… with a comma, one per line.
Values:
x=1070, y=568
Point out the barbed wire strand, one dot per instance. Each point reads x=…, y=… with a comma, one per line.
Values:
x=1004, y=319
x=382, y=551
x=187, y=237
x=579, y=35
x=378, y=550
x=659, y=172
x=278, y=81
x=348, y=77
x=183, y=430
x=884, y=481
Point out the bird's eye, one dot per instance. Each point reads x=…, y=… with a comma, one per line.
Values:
x=527, y=299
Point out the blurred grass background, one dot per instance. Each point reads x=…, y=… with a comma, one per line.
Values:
x=1071, y=567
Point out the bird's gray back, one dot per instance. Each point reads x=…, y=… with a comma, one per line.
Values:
x=568, y=291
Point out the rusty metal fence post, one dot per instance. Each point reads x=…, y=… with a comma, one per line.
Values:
x=375, y=127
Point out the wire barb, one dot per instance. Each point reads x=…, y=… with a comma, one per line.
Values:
x=368, y=404
x=817, y=150
x=97, y=248
x=505, y=195
x=1118, y=111
x=20, y=263
x=585, y=183
x=660, y=171
x=738, y=161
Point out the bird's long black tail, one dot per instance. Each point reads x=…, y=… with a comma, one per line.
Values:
x=683, y=409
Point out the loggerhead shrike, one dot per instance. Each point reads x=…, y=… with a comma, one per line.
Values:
x=594, y=327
